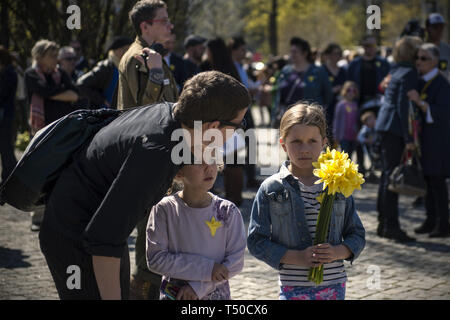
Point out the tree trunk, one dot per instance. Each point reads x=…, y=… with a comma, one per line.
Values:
x=4, y=38
x=273, y=28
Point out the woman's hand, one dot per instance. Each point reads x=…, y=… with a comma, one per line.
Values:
x=413, y=95
x=186, y=293
x=410, y=146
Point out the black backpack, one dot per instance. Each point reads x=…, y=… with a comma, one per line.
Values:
x=47, y=154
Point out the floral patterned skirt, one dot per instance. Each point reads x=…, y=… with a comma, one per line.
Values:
x=332, y=292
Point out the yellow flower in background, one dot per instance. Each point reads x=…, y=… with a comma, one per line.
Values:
x=338, y=173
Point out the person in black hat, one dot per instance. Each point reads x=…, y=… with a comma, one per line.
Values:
x=195, y=48
x=99, y=85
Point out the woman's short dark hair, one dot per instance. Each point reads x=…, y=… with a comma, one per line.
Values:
x=304, y=46
x=236, y=42
x=144, y=10
x=331, y=47
x=211, y=96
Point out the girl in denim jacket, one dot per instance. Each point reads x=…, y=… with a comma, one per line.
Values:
x=284, y=215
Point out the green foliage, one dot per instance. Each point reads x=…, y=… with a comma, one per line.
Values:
x=22, y=141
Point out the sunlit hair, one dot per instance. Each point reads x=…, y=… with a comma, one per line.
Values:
x=42, y=47
x=310, y=114
x=406, y=48
x=432, y=49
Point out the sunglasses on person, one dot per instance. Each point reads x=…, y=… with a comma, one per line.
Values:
x=241, y=125
x=369, y=45
x=164, y=21
x=351, y=90
x=70, y=59
x=422, y=58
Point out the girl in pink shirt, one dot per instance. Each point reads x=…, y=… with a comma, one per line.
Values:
x=195, y=239
x=346, y=117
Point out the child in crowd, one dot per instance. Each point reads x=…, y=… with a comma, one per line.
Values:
x=195, y=239
x=345, y=122
x=285, y=210
x=366, y=135
x=367, y=138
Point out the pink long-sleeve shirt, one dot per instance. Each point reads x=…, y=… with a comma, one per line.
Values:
x=182, y=245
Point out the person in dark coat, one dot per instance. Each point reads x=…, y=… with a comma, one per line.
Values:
x=368, y=72
x=8, y=85
x=99, y=85
x=433, y=99
x=195, y=48
x=116, y=178
x=50, y=89
x=392, y=125
x=175, y=62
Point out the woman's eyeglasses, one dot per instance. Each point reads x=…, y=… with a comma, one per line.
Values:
x=241, y=125
x=422, y=58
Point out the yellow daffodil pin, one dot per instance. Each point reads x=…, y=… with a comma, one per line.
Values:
x=213, y=225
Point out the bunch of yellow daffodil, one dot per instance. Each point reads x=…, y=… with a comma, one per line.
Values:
x=339, y=175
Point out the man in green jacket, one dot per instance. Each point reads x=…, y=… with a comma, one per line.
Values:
x=141, y=83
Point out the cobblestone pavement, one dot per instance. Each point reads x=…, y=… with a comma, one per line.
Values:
x=385, y=269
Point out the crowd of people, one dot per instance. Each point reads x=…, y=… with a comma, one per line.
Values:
x=360, y=102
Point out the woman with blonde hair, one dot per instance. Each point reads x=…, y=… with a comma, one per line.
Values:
x=50, y=93
x=50, y=89
x=392, y=125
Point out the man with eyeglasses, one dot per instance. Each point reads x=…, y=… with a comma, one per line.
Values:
x=143, y=82
x=435, y=25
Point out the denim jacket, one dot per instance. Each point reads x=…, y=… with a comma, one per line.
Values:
x=278, y=221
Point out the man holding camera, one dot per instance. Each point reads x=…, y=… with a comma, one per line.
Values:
x=145, y=78
x=143, y=82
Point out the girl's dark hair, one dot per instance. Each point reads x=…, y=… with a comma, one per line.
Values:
x=304, y=46
x=221, y=58
x=5, y=56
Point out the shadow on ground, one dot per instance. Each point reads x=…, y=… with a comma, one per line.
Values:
x=12, y=259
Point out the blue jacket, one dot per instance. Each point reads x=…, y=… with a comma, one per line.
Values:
x=317, y=87
x=435, y=137
x=354, y=70
x=278, y=221
x=393, y=114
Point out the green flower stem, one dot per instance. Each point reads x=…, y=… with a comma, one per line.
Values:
x=323, y=222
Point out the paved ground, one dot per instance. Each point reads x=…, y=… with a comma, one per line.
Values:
x=385, y=269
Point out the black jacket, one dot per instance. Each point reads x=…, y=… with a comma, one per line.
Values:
x=115, y=180
x=8, y=86
x=53, y=109
x=435, y=137
x=93, y=84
